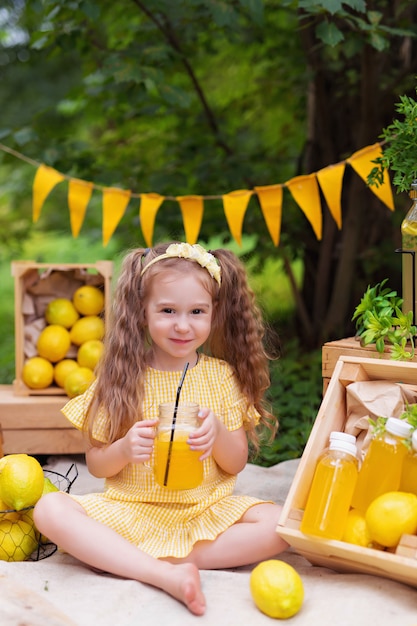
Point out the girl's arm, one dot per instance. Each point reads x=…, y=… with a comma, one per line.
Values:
x=228, y=448
x=135, y=447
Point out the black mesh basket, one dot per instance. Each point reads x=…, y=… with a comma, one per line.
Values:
x=25, y=547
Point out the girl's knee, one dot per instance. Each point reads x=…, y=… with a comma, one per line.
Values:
x=49, y=506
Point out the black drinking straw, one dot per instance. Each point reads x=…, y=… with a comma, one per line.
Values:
x=174, y=419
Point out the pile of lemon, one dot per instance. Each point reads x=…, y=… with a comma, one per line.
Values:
x=75, y=323
x=388, y=517
x=22, y=483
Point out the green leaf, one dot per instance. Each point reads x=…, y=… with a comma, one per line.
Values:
x=329, y=34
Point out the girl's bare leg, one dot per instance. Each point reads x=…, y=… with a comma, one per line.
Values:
x=65, y=522
x=253, y=538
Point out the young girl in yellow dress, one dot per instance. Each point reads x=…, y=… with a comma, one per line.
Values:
x=174, y=304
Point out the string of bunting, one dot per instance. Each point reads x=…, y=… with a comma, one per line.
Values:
x=305, y=190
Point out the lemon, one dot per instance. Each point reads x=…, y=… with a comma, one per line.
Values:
x=48, y=486
x=62, y=369
x=87, y=328
x=38, y=373
x=17, y=540
x=276, y=589
x=78, y=381
x=391, y=515
x=89, y=353
x=61, y=311
x=88, y=300
x=7, y=513
x=53, y=343
x=356, y=529
x=21, y=481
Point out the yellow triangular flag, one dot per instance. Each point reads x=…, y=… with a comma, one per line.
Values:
x=45, y=180
x=331, y=179
x=115, y=202
x=361, y=161
x=270, y=199
x=192, y=208
x=305, y=191
x=235, y=204
x=79, y=194
x=149, y=205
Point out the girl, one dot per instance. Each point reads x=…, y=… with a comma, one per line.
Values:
x=170, y=302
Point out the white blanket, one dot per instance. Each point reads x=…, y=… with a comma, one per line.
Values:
x=59, y=591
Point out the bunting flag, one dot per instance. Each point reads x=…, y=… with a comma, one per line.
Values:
x=235, y=204
x=362, y=163
x=79, y=194
x=149, y=205
x=330, y=180
x=305, y=191
x=192, y=209
x=115, y=202
x=45, y=180
x=270, y=199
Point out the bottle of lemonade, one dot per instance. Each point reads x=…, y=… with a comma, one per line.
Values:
x=331, y=491
x=381, y=468
x=409, y=243
x=408, y=480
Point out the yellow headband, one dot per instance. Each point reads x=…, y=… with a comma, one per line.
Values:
x=192, y=253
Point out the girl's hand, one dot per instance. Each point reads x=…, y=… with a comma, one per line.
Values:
x=204, y=437
x=138, y=441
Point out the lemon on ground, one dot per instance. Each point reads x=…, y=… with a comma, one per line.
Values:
x=88, y=300
x=356, y=529
x=21, y=480
x=87, y=328
x=38, y=373
x=17, y=540
x=89, y=353
x=62, y=369
x=276, y=589
x=391, y=515
x=78, y=381
x=53, y=343
x=61, y=311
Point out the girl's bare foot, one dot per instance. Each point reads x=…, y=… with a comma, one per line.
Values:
x=184, y=584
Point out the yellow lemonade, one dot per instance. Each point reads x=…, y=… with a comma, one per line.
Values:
x=382, y=465
x=330, y=495
x=185, y=469
x=408, y=482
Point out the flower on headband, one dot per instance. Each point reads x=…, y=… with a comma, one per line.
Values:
x=195, y=253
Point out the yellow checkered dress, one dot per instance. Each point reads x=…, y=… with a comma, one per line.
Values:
x=166, y=522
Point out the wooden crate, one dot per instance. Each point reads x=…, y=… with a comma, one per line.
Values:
x=340, y=555
x=35, y=425
x=332, y=350
x=36, y=284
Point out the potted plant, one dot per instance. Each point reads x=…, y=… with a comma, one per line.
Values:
x=379, y=316
x=379, y=319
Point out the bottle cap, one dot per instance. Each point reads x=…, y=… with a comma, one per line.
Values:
x=398, y=427
x=343, y=446
x=336, y=435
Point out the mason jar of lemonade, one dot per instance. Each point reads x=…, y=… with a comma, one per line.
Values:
x=331, y=491
x=409, y=252
x=176, y=465
x=382, y=466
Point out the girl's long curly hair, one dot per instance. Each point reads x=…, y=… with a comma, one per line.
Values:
x=237, y=336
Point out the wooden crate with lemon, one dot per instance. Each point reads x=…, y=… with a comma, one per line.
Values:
x=60, y=316
x=379, y=538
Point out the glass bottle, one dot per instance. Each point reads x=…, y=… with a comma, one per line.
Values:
x=381, y=468
x=408, y=482
x=409, y=242
x=176, y=465
x=331, y=491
